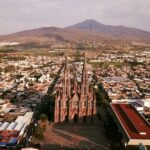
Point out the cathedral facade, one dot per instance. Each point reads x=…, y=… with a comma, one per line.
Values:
x=75, y=101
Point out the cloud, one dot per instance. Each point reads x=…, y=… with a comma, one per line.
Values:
x=17, y=15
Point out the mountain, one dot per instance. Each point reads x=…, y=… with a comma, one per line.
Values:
x=117, y=32
x=89, y=30
x=52, y=34
x=90, y=24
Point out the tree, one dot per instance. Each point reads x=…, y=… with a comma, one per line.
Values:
x=78, y=55
x=39, y=133
x=43, y=118
x=37, y=76
x=9, y=68
x=1, y=69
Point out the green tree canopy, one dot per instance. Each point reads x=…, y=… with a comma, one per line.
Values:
x=43, y=117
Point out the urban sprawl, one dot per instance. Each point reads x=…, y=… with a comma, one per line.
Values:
x=32, y=87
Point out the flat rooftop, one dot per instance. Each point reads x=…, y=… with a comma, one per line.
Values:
x=133, y=123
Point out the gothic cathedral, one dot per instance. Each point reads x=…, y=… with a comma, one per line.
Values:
x=75, y=101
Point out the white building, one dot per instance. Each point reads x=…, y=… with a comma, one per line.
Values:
x=144, y=102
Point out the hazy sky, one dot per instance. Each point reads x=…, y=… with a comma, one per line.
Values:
x=17, y=15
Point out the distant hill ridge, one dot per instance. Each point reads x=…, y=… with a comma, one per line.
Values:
x=88, y=30
x=113, y=31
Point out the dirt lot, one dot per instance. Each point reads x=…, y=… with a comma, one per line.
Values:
x=74, y=135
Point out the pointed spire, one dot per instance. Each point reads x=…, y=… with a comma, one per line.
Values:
x=85, y=59
x=75, y=84
x=84, y=84
x=65, y=75
x=66, y=87
x=66, y=61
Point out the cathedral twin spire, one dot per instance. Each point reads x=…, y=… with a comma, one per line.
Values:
x=84, y=82
x=66, y=86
